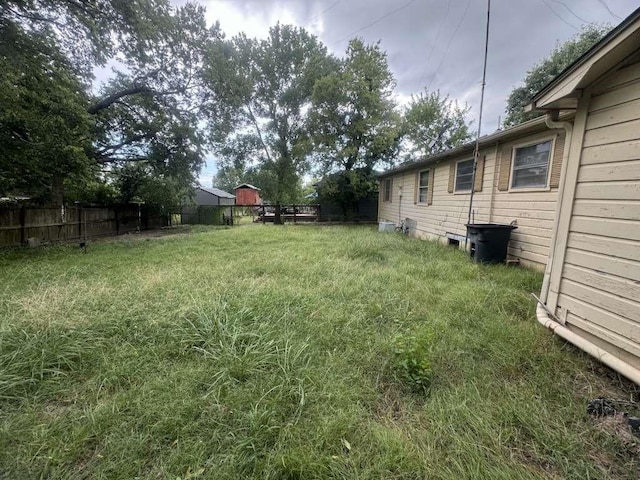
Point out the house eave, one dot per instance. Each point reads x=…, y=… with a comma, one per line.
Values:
x=566, y=88
x=533, y=126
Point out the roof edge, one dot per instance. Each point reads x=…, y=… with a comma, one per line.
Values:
x=533, y=125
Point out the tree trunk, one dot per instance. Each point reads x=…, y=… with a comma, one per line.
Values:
x=57, y=191
x=278, y=218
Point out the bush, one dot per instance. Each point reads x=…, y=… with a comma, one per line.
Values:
x=412, y=360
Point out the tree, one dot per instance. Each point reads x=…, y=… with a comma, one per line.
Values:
x=432, y=124
x=148, y=113
x=45, y=130
x=261, y=99
x=546, y=70
x=354, y=124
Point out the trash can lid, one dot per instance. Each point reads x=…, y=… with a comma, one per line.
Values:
x=497, y=226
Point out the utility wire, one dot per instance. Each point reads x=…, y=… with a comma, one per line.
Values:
x=426, y=65
x=386, y=15
x=572, y=12
x=446, y=50
x=558, y=15
x=325, y=11
x=476, y=151
x=604, y=4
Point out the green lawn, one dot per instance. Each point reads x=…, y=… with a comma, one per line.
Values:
x=289, y=353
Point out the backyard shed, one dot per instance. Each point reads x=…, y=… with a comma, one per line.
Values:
x=213, y=196
x=247, y=194
x=210, y=206
x=591, y=290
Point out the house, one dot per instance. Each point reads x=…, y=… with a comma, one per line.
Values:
x=591, y=290
x=247, y=194
x=517, y=180
x=213, y=196
x=571, y=181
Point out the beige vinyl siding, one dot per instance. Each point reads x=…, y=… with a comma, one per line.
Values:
x=599, y=294
x=447, y=213
x=533, y=210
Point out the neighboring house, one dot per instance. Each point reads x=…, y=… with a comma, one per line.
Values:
x=247, y=194
x=591, y=290
x=517, y=179
x=213, y=196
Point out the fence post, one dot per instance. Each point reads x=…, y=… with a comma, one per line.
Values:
x=115, y=209
x=80, y=222
x=264, y=215
x=318, y=212
x=23, y=219
x=294, y=213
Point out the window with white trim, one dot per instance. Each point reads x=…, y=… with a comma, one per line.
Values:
x=423, y=186
x=530, y=166
x=464, y=176
x=387, y=188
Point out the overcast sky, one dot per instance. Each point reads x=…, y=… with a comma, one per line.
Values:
x=437, y=44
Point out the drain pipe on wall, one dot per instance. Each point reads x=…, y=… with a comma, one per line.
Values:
x=546, y=317
x=618, y=365
x=551, y=121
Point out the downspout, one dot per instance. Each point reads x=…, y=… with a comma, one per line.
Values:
x=552, y=122
x=547, y=318
x=605, y=357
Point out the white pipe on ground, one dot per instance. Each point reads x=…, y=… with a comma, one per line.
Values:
x=618, y=365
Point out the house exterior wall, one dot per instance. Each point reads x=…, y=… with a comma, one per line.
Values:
x=247, y=196
x=446, y=215
x=598, y=247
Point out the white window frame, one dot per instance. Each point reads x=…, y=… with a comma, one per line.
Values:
x=455, y=178
x=552, y=151
x=386, y=190
x=426, y=202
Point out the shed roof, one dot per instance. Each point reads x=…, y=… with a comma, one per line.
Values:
x=247, y=185
x=217, y=192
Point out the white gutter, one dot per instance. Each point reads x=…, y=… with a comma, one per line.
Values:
x=551, y=120
x=605, y=357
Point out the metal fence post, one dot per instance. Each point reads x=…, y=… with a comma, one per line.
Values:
x=23, y=219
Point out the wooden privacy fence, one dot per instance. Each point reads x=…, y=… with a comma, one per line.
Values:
x=22, y=225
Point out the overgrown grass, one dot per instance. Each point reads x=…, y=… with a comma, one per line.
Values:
x=288, y=353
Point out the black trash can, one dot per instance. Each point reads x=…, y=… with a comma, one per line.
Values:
x=489, y=241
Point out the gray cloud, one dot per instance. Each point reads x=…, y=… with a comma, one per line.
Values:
x=522, y=33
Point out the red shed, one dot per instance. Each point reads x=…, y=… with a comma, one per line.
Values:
x=247, y=195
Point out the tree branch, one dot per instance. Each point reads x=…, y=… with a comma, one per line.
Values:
x=111, y=99
x=259, y=132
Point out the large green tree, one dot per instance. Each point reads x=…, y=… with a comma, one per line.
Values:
x=146, y=114
x=547, y=69
x=45, y=129
x=433, y=123
x=354, y=123
x=260, y=106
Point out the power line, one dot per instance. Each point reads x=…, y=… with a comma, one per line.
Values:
x=386, y=15
x=558, y=15
x=604, y=4
x=327, y=10
x=572, y=12
x=446, y=50
x=426, y=66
